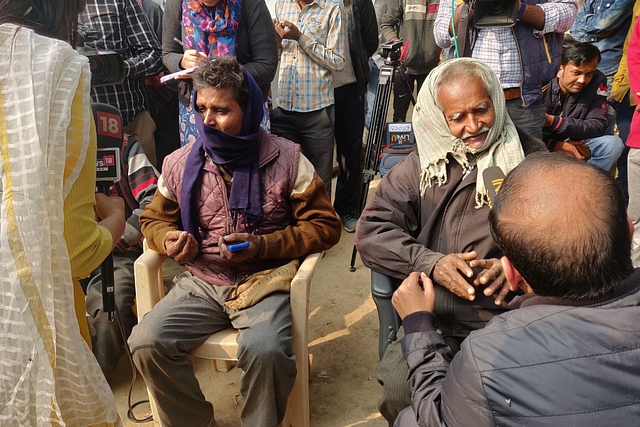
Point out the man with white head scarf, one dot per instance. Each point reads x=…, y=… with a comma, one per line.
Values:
x=430, y=213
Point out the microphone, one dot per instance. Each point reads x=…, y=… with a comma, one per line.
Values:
x=110, y=137
x=492, y=177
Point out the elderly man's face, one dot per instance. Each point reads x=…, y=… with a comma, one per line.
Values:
x=468, y=110
x=219, y=109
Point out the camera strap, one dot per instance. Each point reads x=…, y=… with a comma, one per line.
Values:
x=464, y=47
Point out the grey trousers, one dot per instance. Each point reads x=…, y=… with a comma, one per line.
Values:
x=182, y=321
x=108, y=344
x=633, y=179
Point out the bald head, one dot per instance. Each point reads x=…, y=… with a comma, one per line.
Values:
x=562, y=223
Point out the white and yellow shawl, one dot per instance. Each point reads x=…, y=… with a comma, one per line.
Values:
x=48, y=376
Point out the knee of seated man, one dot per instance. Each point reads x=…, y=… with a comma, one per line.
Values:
x=145, y=335
x=264, y=348
x=606, y=145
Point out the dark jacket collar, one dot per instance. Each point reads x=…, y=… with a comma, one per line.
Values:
x=629, y=285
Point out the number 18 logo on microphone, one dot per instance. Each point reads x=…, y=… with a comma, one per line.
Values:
x=108, y=125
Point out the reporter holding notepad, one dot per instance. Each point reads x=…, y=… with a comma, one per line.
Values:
x=210, y=28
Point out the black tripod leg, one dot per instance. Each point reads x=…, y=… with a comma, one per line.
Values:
x=374, y=139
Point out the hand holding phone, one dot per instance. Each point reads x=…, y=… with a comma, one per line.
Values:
x=237, y=247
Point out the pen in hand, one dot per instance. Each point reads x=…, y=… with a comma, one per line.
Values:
x=177, y=40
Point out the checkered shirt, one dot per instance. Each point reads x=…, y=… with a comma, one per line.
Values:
x=497, y=47
x=305, y=65
x=124, y=28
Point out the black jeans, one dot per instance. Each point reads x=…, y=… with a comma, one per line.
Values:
x=348, y=129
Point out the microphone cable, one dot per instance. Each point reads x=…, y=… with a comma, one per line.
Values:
x=134, y=371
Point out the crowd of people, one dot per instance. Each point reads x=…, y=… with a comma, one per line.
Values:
x=519, y=308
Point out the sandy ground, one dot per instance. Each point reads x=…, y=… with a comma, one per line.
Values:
x=343, y=333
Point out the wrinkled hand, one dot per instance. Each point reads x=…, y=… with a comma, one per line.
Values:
x=492, y=273
x=287, y=30
x=250, y=252
x=411, y=298
x=181, y=246
x=447, y=274
x=107, y=206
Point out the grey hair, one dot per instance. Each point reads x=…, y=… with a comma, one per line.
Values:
x=459, y=72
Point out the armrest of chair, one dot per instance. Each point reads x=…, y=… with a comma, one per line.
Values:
x=382, y=289
x=299, y=295
x=148, y=279
x=299, y=299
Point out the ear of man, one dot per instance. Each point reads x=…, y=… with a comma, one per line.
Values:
x=515, y=279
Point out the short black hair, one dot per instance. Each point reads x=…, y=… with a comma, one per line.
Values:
x=51, y=18
x=563, y=225
x=223, y=72
x=578, y=53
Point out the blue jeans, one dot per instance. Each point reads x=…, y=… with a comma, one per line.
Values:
x=605, y=150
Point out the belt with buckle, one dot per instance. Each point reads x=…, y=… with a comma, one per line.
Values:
x=512, y=93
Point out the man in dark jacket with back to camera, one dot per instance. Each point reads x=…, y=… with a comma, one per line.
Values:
x=568, y=354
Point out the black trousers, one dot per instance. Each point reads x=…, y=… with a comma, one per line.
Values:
x=348, y=130
x=401, y=98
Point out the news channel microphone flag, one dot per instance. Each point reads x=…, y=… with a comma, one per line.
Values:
x=110, y=136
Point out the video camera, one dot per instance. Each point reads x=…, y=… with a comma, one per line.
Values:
x=493, y=13
x=107, y=67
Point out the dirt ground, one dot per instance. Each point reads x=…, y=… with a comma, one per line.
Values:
x=343, y=333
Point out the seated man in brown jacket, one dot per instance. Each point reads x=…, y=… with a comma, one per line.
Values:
x=235, y=183
x=429, y=213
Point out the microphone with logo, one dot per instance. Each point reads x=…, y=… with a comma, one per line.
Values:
x=492, y=177
x=110, y=137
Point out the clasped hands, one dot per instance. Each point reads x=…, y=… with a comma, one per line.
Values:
x=416, y=291
x=286, y=30
x=183, y=247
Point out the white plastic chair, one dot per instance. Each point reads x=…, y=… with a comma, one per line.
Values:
x=222, y=346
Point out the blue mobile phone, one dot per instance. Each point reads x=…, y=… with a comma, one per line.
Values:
x=237, y=247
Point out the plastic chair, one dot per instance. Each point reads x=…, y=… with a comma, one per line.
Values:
x=222, y=346
x=382, y=288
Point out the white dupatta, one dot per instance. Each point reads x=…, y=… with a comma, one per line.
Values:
x=48, y=376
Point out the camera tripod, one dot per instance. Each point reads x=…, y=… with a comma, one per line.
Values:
x=392, y=65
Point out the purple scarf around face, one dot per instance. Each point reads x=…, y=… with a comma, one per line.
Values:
x=238, y=153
